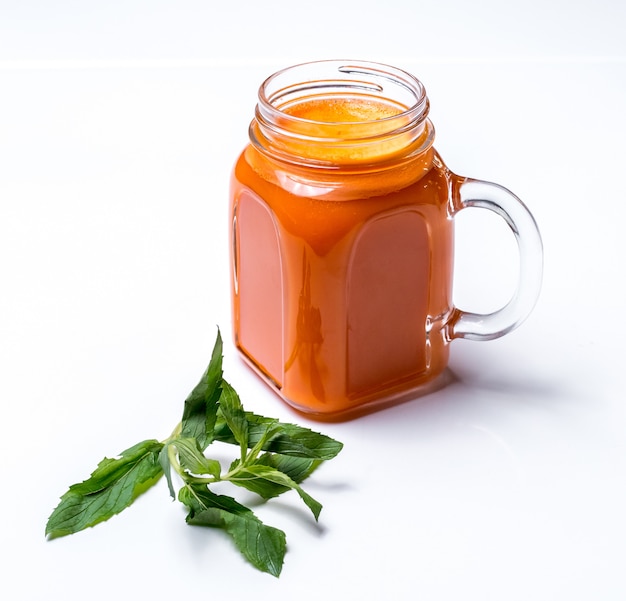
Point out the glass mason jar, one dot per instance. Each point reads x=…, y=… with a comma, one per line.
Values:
x=342, y=237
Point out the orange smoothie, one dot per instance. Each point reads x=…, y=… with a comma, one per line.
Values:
x=342, y=262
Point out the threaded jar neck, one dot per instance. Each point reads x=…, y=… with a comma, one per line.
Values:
x=330, y=114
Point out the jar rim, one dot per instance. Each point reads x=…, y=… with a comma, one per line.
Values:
x=392, y=102
x=377, y=79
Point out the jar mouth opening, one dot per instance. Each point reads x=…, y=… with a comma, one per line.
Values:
x=363, y=83
x=337, y=113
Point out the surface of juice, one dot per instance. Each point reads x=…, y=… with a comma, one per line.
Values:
x=342, y=110
x=342, y=279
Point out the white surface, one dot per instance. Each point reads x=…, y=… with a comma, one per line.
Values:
x=119, y=123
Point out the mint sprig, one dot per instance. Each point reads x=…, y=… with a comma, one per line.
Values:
x=273, y=458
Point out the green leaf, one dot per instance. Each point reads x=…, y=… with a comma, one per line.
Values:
x=234, y=415
x=263, y=488
x=263, y=546
x=275, y=458
x=200, y=409
x=292, y=440
x=255, y=477
x=192, y=458
x=166, y=466
x=112, y=487
x=271, y=429
x=296, y=468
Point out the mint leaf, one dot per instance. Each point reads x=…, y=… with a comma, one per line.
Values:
x=189, y=461
x=234, y=415
x=297, y=468
x=275, y=457
x=166, y=466
x=112, y=487
x=257, y=477
x=272, y=429
x=292, y=440
x=200, y=409
x=192, y=459
x=263, y=546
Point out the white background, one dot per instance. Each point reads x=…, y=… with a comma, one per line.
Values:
x=119, y=124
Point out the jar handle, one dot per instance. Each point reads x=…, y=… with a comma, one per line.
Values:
x=475, y=326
